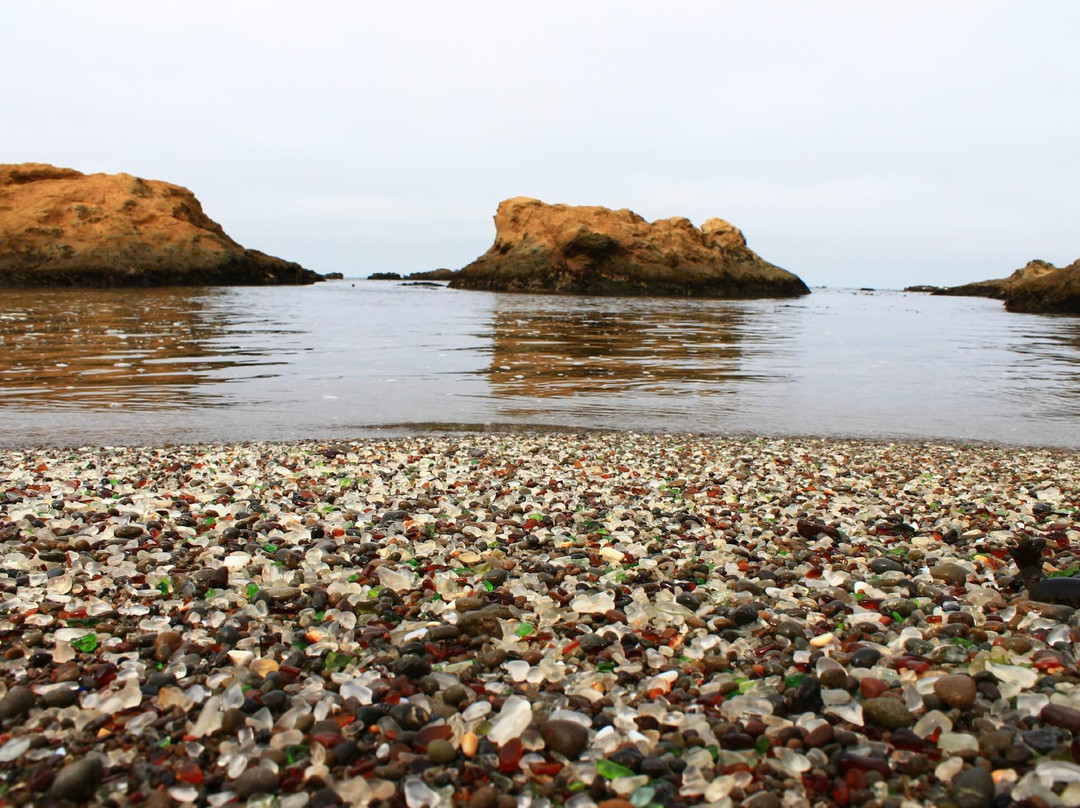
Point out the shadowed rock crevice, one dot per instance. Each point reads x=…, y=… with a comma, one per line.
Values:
x=597, y=251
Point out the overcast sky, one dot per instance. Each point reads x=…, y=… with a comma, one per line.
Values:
x=856, y=144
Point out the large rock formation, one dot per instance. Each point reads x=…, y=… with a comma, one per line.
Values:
x=59, y=227
x=997, y=288
x=594, y=250
x=1053, y=292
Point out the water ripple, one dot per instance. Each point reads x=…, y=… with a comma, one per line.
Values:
x=136, y=366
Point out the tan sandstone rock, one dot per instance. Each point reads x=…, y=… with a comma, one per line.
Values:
x=1053, y=292
x=594, y=250
x=998, y=288
x=60, y=227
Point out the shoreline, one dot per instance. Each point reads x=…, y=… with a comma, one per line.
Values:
x=590, y=619
x=448, y=430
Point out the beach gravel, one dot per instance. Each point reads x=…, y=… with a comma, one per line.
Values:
x=538, y=620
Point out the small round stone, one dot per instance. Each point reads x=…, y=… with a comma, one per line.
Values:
x=455, y=695
x=79, y=780
x=888, y=713
x=883, y=564
x=871, y=687
x=412, y=666
x=166, y=644
x=689, y=600
x=590, y=642
x=973, y=788
x=281, y=594
x=1017, y=644
x=441, y=751
x=745, y=614
x=764, y=799
x=232, y=719
x=256, y=780
x=1017, y=754
x=346, y=752
x=567, y=738
x=949, y=573
x=61, y=696
x=1059, y=715
x=496, y=576
x=484, y=797
x=325, y=798
x=819, y=736
x=790, y=629
x=1045, y=740
x=865, y=657
x=18, y=701
x=833, y=678
x=443, y=633
x=479, y=623
x=956, y=691
x=274, y=700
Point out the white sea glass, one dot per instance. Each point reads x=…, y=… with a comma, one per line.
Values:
x=593, y=602
x=209, y=720
x=514, y=717
x=420, y=795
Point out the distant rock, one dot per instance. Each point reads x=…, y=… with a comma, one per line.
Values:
x=1053, y=292
x=924, y=287
x=1039, y=287
x=60, y=227
x=594, y=250
x=434, y=275
x=994, y=288
x=333, y=276
x=429, y=275
x=997, y=288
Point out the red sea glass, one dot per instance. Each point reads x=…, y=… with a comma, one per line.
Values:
x=510, y=755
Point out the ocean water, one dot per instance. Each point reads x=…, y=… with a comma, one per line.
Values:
x=354, y=358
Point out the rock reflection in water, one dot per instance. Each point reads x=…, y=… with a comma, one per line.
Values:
x=609, y=346
x=99, y=348
x=338, y=360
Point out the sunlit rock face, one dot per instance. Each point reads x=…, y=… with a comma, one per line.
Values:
x=594, y=250
x=60, y=227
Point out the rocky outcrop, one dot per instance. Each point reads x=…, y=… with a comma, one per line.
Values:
x=442, y=274
x=60, y=227
x=997, y=288
x=1053, y=292
x=428, y=275
x=594, y=250
x=1039, y=287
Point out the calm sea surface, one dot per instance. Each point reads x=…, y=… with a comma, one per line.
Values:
x=349, y=358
